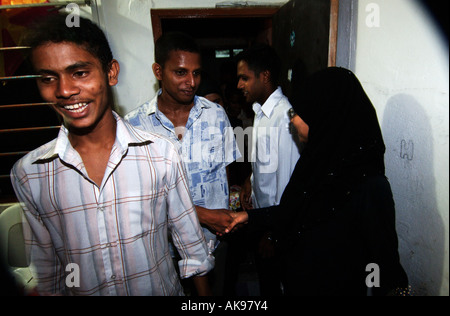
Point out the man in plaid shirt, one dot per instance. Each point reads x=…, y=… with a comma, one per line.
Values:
x=103, y=195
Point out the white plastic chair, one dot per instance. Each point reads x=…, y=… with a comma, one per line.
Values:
x=12, y=246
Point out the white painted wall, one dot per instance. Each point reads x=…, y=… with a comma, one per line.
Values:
x=128, y=27
x=404, y=68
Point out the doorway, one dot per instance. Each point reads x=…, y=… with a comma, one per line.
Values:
x=303, y=32
x=220, y=33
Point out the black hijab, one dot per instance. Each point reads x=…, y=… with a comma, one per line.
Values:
x=345, y=145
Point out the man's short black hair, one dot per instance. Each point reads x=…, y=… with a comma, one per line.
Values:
x=173, y=41
x=54, y=29
x=262, y=57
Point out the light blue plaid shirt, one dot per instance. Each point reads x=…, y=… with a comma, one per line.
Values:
x=208, y=146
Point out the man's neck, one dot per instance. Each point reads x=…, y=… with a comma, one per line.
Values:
x=267, y=95
x=168, y=105
x=103, y=134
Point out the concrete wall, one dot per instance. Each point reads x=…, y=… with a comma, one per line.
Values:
x=128, y=26
x=402, y=61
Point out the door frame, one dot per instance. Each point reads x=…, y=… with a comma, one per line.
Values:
x=157, y=15
x=334, y=21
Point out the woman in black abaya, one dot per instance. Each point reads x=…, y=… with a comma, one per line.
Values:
x=335, y=225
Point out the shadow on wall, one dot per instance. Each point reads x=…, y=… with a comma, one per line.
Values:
x=409, y=166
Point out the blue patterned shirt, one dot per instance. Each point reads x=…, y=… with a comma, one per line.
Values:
x=208, y=146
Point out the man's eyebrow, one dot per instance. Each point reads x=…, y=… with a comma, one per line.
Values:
x=78, y=65
x=186, y=68
x=69, y=68
x=43, y=72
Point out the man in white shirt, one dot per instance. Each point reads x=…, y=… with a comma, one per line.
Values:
x=274, y=150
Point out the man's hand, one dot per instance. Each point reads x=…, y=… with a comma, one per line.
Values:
x=217, y=220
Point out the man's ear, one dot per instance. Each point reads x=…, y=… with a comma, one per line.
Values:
x=266, y=76
x=157, y=71
x=113, y=73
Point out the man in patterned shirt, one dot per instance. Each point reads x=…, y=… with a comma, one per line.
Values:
x=101, y=198
x=200, y=129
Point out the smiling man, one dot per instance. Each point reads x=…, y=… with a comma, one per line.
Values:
x=103, y=195
x=200, y=129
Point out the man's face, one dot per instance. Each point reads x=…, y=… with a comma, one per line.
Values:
x=251, y=85
x=180, y=76
x=75, y=82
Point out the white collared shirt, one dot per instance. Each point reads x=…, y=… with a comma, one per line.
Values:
x=116, y=234
x=274, y=152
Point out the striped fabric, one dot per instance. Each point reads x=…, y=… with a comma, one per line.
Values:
x=115, y=235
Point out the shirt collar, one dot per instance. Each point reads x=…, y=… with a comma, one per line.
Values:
x=152, y=106
x=269, y=105
x=126, y=135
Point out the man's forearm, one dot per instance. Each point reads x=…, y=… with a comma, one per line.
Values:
x=202, y=285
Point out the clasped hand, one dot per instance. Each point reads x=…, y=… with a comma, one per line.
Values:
x=222, y=221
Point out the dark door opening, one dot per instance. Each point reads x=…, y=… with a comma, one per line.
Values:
x=302, y=31
x=220, y=33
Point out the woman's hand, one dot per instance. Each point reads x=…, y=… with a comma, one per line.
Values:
x=238, y=218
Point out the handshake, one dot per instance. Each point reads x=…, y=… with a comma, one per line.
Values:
x=221, y=221
x=224, y=221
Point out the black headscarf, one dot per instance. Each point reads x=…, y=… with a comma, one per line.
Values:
x=344, y=145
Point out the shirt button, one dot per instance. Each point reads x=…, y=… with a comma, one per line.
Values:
x=113, y=277
x=101, y=209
